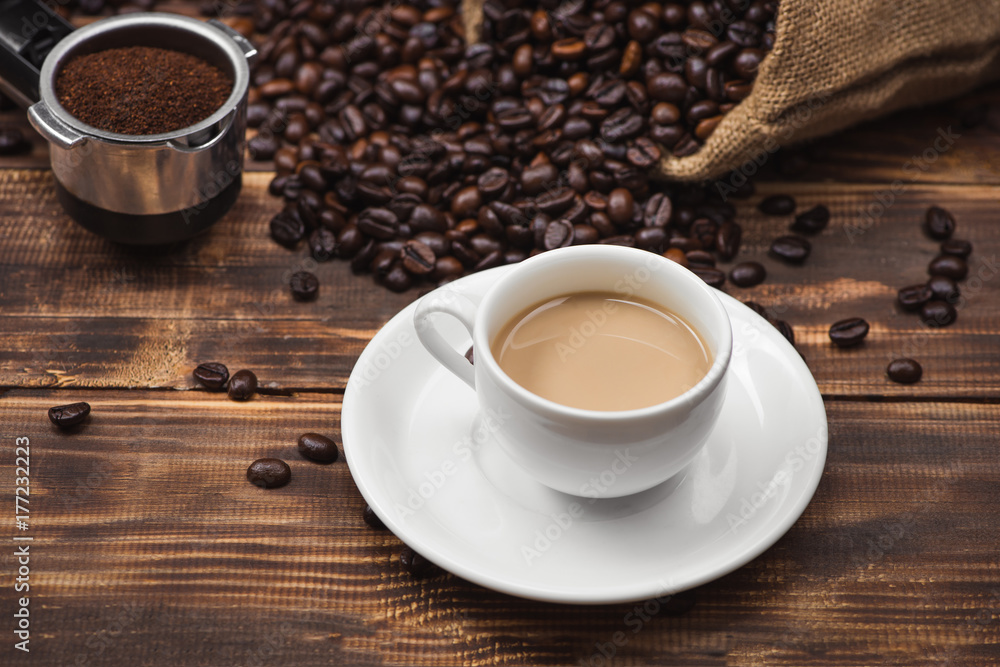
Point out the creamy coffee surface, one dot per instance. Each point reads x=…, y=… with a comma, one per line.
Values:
x=598, y=351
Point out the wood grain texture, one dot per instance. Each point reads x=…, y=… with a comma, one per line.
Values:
x=151, y=547
x=80, y=311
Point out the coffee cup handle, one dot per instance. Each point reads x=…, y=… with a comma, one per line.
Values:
x=462, y=309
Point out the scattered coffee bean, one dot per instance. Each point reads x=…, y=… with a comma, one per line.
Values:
x=914, y=296
x=849, y=332
x=791, y=249
x=269, y=473
x=470, y=354
x=777, y=205
x=65, y=416
x=372, y=519
x=242, y=385
x=943, y=288
x=414, y=563
x=747, y=274
x=319, y=448
x=812, y=221
x=212, y=375
x=904, y=371
x=938, y=313
x=938, y=223
x=956, y=247
x=949, y=266
x=304, y=285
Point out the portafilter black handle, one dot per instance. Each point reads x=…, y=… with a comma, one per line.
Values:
x=28, y=31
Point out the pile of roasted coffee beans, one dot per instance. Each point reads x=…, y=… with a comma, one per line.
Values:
x=935, y=300
x=420, y=158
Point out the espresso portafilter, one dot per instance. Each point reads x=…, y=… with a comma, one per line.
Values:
x=135, y=189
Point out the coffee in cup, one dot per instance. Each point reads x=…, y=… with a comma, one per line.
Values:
x=600, y=351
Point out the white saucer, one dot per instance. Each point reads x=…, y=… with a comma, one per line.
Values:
x=408, y=427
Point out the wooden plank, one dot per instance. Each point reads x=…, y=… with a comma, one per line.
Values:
x=150, y=546
x=79, y=311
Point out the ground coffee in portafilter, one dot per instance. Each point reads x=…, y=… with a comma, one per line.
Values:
x=141, y=90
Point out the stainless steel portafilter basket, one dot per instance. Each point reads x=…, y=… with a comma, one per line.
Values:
x=140, y=189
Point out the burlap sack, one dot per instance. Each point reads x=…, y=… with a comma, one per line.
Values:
x=836, y=63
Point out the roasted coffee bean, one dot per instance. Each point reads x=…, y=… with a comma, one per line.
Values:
x=956, y=247
x=747, y=274
x=287, y=229
x=938, y=223
x=12, y=141
x=65, y=416
x=791, y=249
x=493, y=181
x=812, y=221
x=943, y=289
x=711, y=276
x=372, y=519
x=700, y=258
x=379, y=223
x=322, y=244
x=647, y=238
x=417, y=258
x=727, y=240
x=319, y=448
x=263, y=146
x=242, y=386
x=938, y=313
x=777, y=205
x=212, y=375
x=414, y=563
x=555, y=202
x=621, y=206
x=658, y=210
x=676, y=255
x=686, y=145
x=397, y=279
x=785, y=329
x=643, y=153
x=558, y=234
x=904, y=370
x=949, y=266
x=914, y=296
x=269, y=473
x=304, y=286
x=849, y=332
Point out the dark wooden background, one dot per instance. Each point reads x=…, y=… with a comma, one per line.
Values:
x=150, y=548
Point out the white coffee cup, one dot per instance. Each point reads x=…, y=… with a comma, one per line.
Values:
x=591, y=453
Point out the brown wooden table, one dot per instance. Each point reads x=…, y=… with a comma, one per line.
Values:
x=150, y=548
